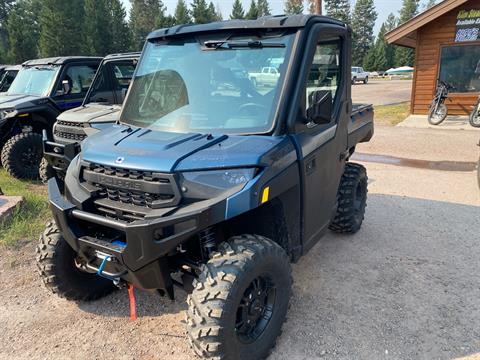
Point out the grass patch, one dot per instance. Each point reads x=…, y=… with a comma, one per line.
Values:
x=391, y=114
x=27, y=221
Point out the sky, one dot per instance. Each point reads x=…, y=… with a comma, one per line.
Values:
x=384, y=7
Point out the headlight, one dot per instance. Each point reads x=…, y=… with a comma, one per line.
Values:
x=5, y=114
x=210, y=184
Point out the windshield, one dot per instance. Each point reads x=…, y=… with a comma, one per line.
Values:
x=35, y=80
x=209, y=85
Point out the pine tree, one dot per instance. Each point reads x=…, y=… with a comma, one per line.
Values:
x=200, y=12
x=263, y=8
x=293, y=7
x=5, y=8
x=163, y=19
x=338, y=9
x=406, y=56
x=237, y=10
x=182, y=14
x=61, y=25
x=430, y=4
x=144, y=17
x=214, y=13
x=252, y=13
x=121, y=38
x=23, y=31
x=96, y=29
x=363, y=22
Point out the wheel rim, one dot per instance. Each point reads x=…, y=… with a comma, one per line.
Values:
x=255, y=309
x=31, y=158
x=439, y=114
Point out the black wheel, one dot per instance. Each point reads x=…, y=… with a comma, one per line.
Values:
x=366, y=80
x=240, y=300
x=437, y=114
x=57, y=266
x=354, y=80
x=352, y=200
x=475, y=115
x=21, y=155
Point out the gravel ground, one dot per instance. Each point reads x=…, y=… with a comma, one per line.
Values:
x=405, y=287
x=382, y=92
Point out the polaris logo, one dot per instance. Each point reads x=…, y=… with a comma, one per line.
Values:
x=118, y=183
x=119, y=160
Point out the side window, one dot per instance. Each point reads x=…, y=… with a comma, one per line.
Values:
x=79, y=77
x=325, y=71
x=123, y=74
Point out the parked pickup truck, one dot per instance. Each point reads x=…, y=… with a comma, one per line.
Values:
x=40, y=92
x=100, y=109
x=212, y=188
x=267, y=77
x=358, y=74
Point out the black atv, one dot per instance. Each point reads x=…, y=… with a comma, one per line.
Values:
x=40, y=92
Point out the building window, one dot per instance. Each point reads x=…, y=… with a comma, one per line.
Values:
x=460, y=67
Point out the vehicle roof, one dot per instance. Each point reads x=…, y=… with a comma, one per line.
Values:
x=265, y=22
x=130, y=55
x=60, y=60
x=13, y=67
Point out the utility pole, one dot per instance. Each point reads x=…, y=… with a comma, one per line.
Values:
x=318, y=7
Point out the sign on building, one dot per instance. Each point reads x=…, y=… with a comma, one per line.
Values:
x=468, y=26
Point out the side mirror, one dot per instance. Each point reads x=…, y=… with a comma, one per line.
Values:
x=65, y=87
x=320, y=110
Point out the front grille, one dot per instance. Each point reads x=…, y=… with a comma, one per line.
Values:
x=69, y=130
x=69, y=123
x=69, y=136
x=123, y=191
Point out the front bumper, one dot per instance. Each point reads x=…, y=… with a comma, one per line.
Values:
x=142, y=257
x=58, y=155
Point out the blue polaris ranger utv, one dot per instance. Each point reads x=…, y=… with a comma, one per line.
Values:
x=229, y=161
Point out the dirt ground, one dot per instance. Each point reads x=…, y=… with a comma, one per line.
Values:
x=382, y=92
x=405, y=287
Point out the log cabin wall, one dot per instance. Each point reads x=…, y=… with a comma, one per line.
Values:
x=430, y=40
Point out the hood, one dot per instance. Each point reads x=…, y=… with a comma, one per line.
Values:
x=17, y=101
x=143, y=149
x=91, y=113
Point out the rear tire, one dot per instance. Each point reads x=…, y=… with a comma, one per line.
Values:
x=436, y=118
x=56, y=265
x=352, y=200
x=22, y=154
x=240, y=300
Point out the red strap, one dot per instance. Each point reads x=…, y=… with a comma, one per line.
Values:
x=131, y=296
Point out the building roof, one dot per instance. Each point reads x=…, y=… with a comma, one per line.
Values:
x=265, y=22
x=60, y=60
x=406, y=33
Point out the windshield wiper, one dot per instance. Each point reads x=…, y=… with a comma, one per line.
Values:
x=225, y=44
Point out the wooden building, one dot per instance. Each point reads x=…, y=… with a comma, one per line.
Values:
x=446, y=39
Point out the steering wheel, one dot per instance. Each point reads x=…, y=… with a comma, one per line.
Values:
x=250, y=109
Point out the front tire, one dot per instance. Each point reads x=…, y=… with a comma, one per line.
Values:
x=365, y=81
x=436, y=115
x=352, y=200
x=57, y=268
x=46, y=171
x=475, y=116
x=240, y=300
x=21, y=155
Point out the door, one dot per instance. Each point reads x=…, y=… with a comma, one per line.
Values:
x=79, y=78
x=322, y=147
